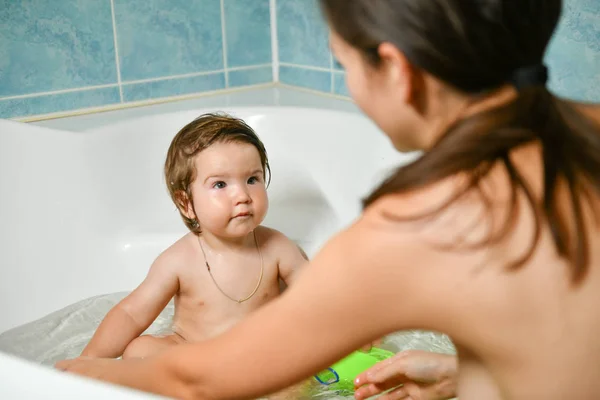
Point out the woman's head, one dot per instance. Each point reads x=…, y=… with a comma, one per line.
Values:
x=441, y=75
x=407, y=61
x=216, y=171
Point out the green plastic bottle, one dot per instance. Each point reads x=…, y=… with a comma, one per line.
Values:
x=340, y=376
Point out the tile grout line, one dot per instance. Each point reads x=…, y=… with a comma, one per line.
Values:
x=315, y=91
x=114, y=26
x=112, y=85
x=134, y=104
x=245, y=67
x=181, y=76
x=224, y=39
x=322, y=69
x=331, y=71
x=194, y=74
x=62, y=91
x=274, y=40
x=168, y=99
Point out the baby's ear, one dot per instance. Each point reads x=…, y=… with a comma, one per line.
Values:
x=184, y=204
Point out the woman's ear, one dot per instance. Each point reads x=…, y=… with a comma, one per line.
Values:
x=184, y=204
x=402, y=77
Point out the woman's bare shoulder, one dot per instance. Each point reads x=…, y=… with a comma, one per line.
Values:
x=421, y=212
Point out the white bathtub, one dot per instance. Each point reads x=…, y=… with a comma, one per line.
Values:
x=85, y=213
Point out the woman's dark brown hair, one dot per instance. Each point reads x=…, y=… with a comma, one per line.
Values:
x=190, y=141
x=477, y=46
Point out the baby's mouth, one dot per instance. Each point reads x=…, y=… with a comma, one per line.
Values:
x=243, y=215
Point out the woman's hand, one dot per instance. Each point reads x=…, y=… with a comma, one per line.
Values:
x=375, y=343
x=422, y=375
x=97, y=368
x=138, y=373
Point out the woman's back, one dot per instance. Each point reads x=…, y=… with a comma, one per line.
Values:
x=523, y=333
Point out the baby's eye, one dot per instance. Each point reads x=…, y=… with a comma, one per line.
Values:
x=219, y=185
x=253, y=180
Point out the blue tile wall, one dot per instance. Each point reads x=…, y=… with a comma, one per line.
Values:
x=248, y=32
x=51, y=103
x=173, y=87
x=304, y=77
x=573, y=55
x=61, y=55
x=305, y=59
x=250, y=76
x=168, y=37
x=53, y=45
x=339, y=84
x=302, y=34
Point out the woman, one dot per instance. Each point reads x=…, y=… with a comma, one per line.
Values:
x=489, y=237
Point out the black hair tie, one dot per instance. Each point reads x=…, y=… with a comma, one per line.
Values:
x=533, y=75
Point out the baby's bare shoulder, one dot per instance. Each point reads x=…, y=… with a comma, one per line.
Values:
x=273, y=240
x=287, y=253
x=268, y=236
x=178, y=255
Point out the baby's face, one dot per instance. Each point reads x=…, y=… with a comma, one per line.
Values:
x=229, y=192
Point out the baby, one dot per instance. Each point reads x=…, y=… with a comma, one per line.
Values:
x=227, y=265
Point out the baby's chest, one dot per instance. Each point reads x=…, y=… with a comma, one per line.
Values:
x=223, y=286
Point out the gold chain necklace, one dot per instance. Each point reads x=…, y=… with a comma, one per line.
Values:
x=217, y=285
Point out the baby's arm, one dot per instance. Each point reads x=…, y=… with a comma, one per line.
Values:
x=134, y=314
x=291, y=258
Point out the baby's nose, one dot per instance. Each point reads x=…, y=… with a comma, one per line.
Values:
x=242, y=196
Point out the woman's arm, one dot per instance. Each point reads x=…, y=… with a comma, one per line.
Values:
x=356, y=290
